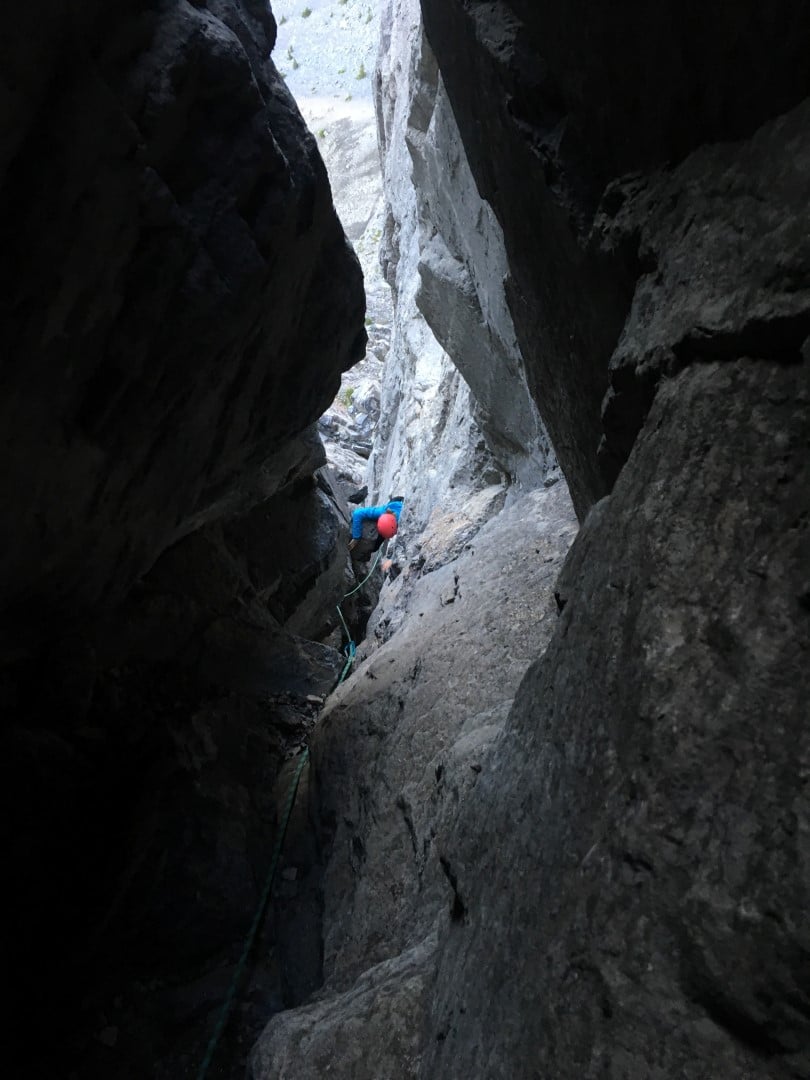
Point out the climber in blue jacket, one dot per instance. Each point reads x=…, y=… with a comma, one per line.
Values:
x=373, y=514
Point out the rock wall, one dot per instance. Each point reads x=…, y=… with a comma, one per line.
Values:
x=559, y=817
x=462, y=278
x=449, y=426
x=634, y=868
x=167, y=225
x=178, y=303
x=598, y=869
x=399, y=755
x=554, y=105
x=327, y=59
x=427, y=435
x=186, y=702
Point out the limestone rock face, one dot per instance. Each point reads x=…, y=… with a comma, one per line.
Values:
x=632, y=878
x=635, y=868
x=450, y=425
x=462, y=277
x=327, y=60
x=427, y=437
x=398, y=756
x=559, y=813
x=179, y=299
x=556, y=102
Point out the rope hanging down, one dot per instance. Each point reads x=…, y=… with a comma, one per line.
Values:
x=350, y=649
x=258, y=919
x=230, y=998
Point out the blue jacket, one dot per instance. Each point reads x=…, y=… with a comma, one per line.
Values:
x=371, y=513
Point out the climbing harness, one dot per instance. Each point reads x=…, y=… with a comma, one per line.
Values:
x=258, y=919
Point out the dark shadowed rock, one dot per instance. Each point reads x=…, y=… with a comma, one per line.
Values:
x=295, y=550
x=725, y=243
x=178, y=297
x=143, y=795
x=177, y=304
x=556, y=101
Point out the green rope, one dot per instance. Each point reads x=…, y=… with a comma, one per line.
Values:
x=350, y=648
x=345, y=627
x=351, y=651
x=258, y=918
x=368, y=575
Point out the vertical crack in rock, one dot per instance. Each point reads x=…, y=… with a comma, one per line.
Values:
x=618, y=200
x=594, y=760
x=458, y=910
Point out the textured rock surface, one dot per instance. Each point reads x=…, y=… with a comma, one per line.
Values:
x=570, y=847
x=554, y=103
x=349, y=426
x=637, y=890
x=178, y=304
x=462, y=278
x=295, y=550
x=429, y=446
x=442, y=435
x=372, y=1032
x=614, y=865
x=398, y=756
x=178, y=300
x=725, y=240
x=144, y=789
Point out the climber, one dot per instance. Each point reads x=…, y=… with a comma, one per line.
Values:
x=386, y=519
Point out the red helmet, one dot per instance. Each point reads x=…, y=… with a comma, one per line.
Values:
x=387, y=524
